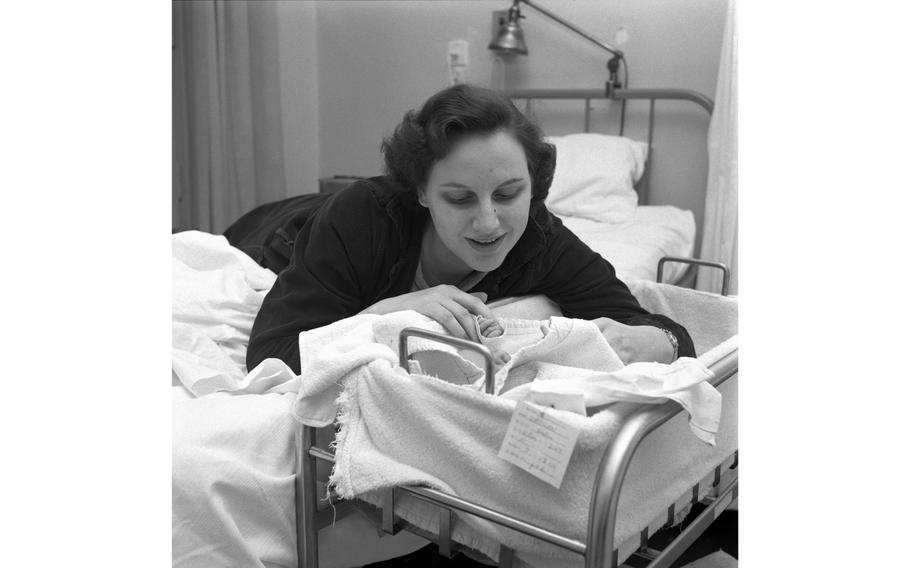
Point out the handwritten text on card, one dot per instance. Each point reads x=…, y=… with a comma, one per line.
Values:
x=539, y=442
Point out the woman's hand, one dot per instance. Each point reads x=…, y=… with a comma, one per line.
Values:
x=636, y=343
x=454, y=309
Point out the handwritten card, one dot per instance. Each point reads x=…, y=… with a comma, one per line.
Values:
x=539, y=442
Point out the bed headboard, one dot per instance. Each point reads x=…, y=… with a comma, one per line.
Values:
x=623, y=95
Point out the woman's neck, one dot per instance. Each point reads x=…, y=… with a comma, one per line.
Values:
x=438, y=263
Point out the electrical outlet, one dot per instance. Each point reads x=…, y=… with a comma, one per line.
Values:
x=622, y=36
x=458, y=53
x=457, y=61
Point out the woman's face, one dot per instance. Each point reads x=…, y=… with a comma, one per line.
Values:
x=479, y=197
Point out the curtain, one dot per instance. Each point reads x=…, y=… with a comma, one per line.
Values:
x=720, y=235
x=228, y=150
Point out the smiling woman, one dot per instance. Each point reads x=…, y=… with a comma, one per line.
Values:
x=458, y=220
x=479, y=197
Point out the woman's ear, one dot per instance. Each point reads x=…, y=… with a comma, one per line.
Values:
x=421, y=196
x=546, y=167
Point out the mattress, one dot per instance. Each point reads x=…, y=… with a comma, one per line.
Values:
x=634, y=248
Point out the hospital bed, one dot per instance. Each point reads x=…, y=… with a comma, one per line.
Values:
x=645, y=430
x=621, y=529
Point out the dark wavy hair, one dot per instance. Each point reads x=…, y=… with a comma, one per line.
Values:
x=425, y=137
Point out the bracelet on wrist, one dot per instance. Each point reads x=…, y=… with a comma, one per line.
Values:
x=673, y=341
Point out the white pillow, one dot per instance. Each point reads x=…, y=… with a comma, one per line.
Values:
x=595, y=175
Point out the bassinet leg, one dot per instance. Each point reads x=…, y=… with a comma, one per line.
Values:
x=305, y=484
x=506, y=556
x=445, y=532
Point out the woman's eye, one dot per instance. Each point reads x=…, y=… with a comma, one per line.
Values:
x=507, y=196
x=458, y=200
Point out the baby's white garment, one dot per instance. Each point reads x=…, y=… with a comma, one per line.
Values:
x=566, y=357
x=684, y=380
x=558, y=340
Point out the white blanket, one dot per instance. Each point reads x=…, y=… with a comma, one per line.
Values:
x=232, y=433
x=216, y=294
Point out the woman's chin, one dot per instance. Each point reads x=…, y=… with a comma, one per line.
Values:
x=487, y=264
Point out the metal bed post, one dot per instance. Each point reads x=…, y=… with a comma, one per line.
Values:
x=587, y=115
x=305, y=486
x=622, y=95
x=694, y=261
x=489, y=375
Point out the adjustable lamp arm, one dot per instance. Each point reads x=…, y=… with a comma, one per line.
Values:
x=572, y=27
x=612, y=64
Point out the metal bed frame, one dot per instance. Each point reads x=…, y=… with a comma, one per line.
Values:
x=600, y=548
x=643, y=187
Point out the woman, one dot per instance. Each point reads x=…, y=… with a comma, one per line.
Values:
x=458, y=219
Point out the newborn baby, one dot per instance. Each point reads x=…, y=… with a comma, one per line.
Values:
x=492, y=327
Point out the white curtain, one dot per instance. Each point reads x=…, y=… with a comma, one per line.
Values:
x=228, y=149
x=719, y=237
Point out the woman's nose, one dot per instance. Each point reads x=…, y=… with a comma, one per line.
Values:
x=486, y=219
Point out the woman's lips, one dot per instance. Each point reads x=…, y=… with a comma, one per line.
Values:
x=486, y=245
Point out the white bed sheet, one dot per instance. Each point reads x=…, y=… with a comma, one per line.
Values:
x=635, y=247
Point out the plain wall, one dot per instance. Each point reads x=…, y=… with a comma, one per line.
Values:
x=299, y=79
x=378, y=59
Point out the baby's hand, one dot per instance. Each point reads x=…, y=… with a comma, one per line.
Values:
x=489, y=327
x=500, y=358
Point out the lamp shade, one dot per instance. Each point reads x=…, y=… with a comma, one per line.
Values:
x=510, y=39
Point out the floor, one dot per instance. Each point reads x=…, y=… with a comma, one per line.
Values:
x=717, y=547
x=722, y=536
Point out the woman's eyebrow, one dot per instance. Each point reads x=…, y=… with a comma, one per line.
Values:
x=456, y=185
x=509, y=182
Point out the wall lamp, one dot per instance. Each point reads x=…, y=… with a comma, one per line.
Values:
x=509, y=39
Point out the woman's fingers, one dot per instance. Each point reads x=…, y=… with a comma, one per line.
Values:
x=464, y=318
x=473, y=303
x=452, y=317
x=452, y=308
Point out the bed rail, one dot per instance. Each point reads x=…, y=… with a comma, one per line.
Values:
x=622, y=95
x=690, y=274
x=489, y=375
x=599, y=550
